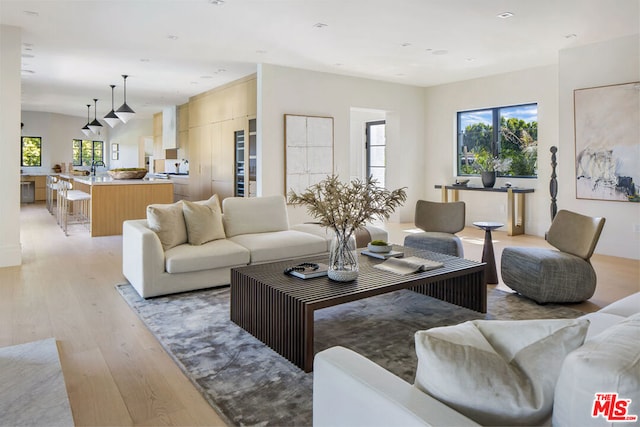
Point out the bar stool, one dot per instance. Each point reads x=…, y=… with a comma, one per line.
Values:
x=77, y=200
x=52, y=187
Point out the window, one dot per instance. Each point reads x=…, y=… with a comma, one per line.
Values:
x=376, y=146
x=509, y=133
x=86, y=152
x=31, y=151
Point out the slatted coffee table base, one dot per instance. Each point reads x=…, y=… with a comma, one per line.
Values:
x=279, y=310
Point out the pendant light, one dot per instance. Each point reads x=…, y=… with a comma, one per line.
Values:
x=86, y=129
x=111, y=118
x=125, y=113
x=95, y=125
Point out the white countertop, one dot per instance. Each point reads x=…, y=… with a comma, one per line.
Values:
x=107, y=180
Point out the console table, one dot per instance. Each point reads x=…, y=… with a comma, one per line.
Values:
x=515, y=202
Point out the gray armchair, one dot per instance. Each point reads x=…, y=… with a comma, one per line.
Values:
x=439, y=221
x=562, y=275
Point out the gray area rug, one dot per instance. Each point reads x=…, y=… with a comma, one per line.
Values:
x=250, y=384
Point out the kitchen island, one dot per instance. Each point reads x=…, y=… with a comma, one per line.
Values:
x=116, y=200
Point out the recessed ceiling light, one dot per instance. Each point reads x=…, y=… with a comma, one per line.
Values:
x=470, y=59
x=338, y=64
x=172, y=37
x=570, y=36
x=428, y=49
x=405, y=44
x=261, y=52
x=440, y=52
x=400, y=75
x=320, y=25
x=206, y=77
x=27, y=55
x=31, y=13
x=145, y=60
x=194, y=83
x=27, y=71
x=221, y=70
x=505, y=15
x=217, y=2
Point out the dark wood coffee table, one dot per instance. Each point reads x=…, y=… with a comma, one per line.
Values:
x=279, y=309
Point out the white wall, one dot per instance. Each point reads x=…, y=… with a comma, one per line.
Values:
x=57, y=132
x=10, y=51
x=128, y=137
x=292, y=91
x=612, y=62
x=443, y=102
x=616, y=61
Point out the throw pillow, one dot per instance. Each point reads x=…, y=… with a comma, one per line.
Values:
x=167, y=221
x=497, y=372
x=203, y=220
x=607, y=364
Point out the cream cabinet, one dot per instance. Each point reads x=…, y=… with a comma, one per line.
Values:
x=213, y=118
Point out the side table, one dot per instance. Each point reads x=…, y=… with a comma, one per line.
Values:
x=487, y=251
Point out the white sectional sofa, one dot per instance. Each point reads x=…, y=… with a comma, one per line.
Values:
x=350, y=390
x=256, y=230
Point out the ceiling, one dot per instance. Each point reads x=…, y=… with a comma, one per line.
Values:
x=173, y=49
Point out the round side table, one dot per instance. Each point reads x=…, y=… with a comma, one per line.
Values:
x=487, y=251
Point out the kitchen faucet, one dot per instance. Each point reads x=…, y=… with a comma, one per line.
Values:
x=94, y=166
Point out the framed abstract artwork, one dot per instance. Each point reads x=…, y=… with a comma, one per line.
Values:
x=308, y=144
x=607, y=141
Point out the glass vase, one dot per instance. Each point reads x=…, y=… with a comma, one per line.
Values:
x=343, y=258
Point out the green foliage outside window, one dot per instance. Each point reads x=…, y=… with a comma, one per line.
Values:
x=31, y=151
x=85, y=152
x=507, y=134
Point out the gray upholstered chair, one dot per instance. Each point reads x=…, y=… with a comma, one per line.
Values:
x=439, y=221
x=563, y=275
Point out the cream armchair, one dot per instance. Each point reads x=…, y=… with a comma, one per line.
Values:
x=562, y=275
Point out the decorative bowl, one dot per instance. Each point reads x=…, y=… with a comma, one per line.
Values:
x=127, y=174
x=379, y=248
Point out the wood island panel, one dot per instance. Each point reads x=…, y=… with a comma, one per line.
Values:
x=113, y=204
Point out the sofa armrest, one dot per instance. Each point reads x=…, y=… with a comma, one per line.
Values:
x=350, y=390
x=142, y=255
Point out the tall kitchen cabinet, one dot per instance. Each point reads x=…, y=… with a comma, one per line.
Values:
x=216, y=118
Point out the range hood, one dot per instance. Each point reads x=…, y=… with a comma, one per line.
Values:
x=169, y=129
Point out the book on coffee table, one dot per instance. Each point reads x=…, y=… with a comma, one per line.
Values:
x=383, y=255
x=305, y=271
x=408, y=265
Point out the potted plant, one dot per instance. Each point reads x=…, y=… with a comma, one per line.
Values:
x=489, y=165
x=345, y=208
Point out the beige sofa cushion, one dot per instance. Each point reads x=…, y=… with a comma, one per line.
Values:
x=266, y=247
x=607, y=363
x=167, y=220
x=497, y=372
x=208, y=256
x=203, y=220
x=254, y=215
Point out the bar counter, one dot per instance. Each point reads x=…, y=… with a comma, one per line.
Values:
x=116, y=200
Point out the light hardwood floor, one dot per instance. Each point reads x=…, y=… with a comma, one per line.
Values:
x=115, y=371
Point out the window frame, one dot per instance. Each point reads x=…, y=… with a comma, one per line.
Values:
x=94, y=143
x=22, y=140
x=368, y=145
x=495, y=143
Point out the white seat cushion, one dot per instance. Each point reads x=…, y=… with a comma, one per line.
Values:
x=266, y=247
x=497, y=372
x=607, y=363
x=216, y=254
